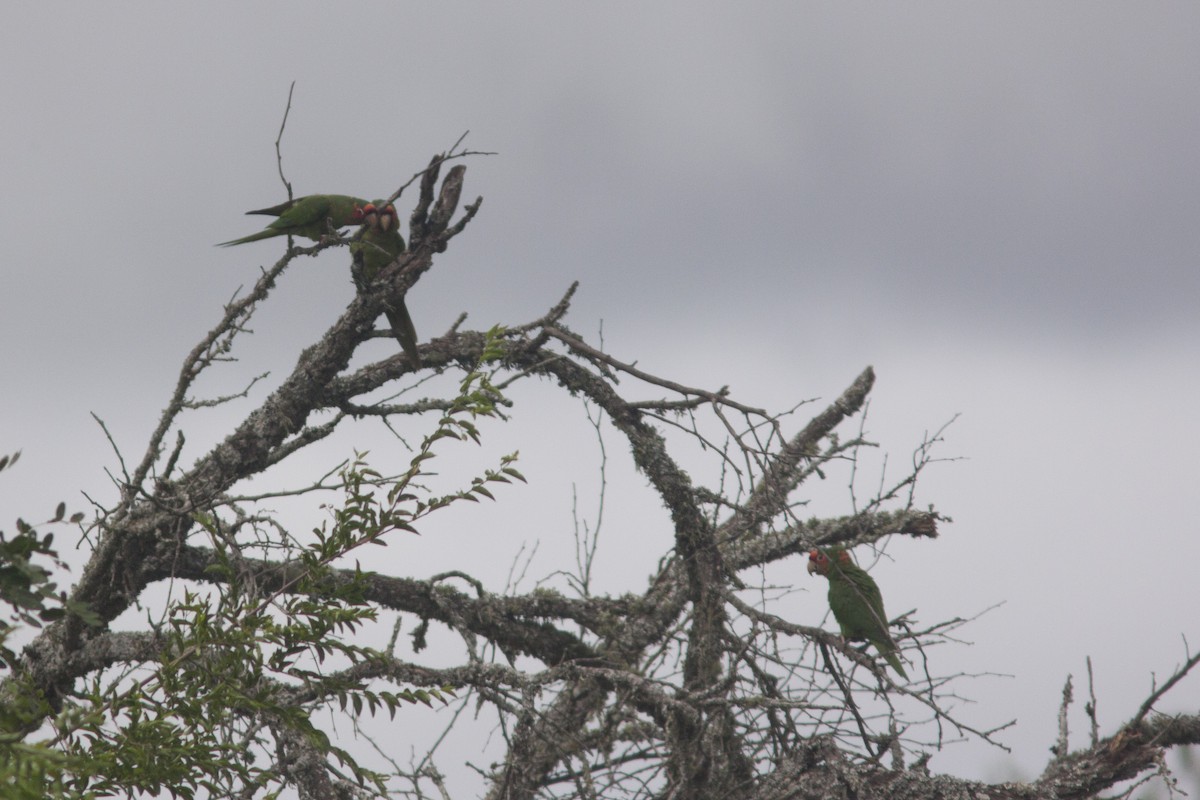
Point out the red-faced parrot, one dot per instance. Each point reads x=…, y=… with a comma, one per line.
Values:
x=379, y=246
x=856, y=602
x=309, y=216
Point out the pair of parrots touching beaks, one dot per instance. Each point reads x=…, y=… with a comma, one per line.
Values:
x=318, y=215
x=856, y=603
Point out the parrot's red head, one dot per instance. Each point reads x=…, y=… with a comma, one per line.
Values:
x=377, y=215
x=367, y=215
x=819, y=560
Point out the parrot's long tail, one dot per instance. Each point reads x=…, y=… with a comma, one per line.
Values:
x=404, y=330
x=254, y=237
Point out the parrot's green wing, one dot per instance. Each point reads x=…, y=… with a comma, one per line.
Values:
x=275, y=211
x=378, y=247
x=310, y=216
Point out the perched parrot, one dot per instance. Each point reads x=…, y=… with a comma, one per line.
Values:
x=856, y=602
x=379, y=246
x=308, y=216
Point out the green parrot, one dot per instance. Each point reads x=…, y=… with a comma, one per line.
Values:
x=379, y=246
x=308, y=216
x=856, y=602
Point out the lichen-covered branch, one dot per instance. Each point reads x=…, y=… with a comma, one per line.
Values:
x=699, y=684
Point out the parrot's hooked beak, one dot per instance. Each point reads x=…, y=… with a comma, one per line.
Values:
x=387, y=218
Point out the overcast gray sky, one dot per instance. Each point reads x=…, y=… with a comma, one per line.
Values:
x=995, y=204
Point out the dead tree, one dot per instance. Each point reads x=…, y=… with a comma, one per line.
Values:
x=695, y=687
